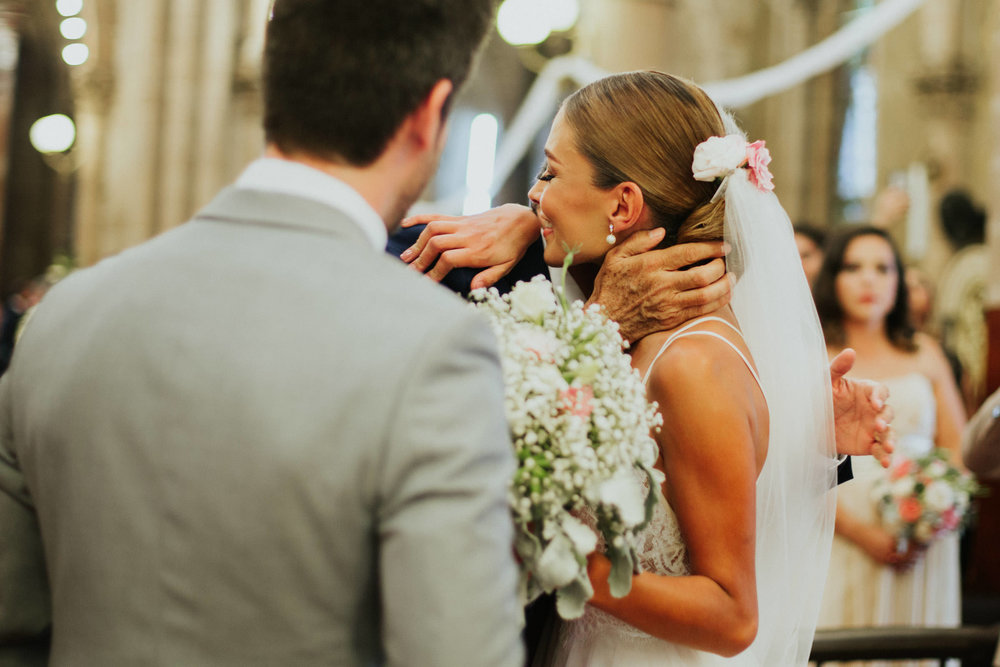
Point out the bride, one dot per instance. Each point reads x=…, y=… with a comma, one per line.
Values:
x=735, y=559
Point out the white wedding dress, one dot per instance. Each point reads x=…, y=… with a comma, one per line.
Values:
x=599, y=639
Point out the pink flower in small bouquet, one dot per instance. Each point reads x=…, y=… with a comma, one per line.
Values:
x=910, y=509
x=950, y=519
x=902, y=468
x=921, y=499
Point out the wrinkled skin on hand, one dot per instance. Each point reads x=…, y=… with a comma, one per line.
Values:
x=645, y=290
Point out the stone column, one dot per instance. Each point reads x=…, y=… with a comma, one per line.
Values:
x=169, y=113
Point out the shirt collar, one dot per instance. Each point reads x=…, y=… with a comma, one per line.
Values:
x=295, y=178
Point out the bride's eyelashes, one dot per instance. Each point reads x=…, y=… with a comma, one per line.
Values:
x=543, y=173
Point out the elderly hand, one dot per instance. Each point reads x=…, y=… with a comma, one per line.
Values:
x=494, y=240
x=645, y=290
x=860, y=414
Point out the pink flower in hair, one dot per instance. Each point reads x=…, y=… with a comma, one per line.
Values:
x=758, y=157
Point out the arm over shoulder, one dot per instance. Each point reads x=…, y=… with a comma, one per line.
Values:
x=448, y=577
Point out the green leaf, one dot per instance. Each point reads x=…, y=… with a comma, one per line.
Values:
x=652, y=498
x=620, y=578
x=572, y=598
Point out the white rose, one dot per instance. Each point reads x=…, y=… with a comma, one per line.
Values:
x=937, y=469
x=557, y=566
x=903, y=487
x=623, y=493
x=583, y=537
x=532, y=300
x=542, y=343
x=717, y=157
x=938, y=496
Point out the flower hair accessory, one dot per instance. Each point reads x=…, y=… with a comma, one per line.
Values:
x=718, y=157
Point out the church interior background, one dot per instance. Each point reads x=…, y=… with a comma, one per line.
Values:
x=119, y=119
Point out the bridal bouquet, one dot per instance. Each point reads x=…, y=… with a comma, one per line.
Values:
x=581, y=427
x=922, y=499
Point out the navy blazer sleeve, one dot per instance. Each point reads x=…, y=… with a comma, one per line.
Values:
x=458, y=280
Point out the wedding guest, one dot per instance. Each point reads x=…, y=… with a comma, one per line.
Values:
x=874, y=578
x=920, y=296
x=809, y=239
x=257, y=439
x=14, y=308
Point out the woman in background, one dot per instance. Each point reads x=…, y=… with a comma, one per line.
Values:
x=873, y=580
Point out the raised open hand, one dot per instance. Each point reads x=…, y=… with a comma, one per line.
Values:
x=860, y=413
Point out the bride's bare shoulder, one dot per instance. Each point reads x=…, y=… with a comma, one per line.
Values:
x=694, y=366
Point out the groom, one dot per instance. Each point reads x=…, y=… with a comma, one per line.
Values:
x=255, y=439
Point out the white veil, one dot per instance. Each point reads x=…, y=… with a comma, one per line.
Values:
x=796, y=497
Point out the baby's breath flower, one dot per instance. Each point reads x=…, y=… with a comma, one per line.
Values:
x=580, y=421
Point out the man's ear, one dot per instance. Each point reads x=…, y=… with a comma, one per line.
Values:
x=427, y=122
x=627, y=206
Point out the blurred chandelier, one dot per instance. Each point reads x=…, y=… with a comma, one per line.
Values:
x=540, y=30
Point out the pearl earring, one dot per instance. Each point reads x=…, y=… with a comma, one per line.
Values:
x=610, y=238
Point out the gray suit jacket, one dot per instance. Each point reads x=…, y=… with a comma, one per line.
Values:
x=255, y=440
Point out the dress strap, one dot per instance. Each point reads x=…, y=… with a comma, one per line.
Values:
x=683, y=333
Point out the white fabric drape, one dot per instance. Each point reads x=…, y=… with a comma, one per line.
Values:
x=542, y=98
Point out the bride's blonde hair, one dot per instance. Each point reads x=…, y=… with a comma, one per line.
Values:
x=643, y=127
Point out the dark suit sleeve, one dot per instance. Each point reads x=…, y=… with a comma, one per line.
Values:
x=845, y=473
x=459, y=280
x=25, y=609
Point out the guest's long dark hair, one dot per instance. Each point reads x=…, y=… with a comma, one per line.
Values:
x=831, y=314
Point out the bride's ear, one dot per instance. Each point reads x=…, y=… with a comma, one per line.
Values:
x=627, y=206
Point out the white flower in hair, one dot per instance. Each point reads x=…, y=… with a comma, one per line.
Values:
x=717, y=157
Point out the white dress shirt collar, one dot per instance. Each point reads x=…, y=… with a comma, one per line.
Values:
x=294, y=178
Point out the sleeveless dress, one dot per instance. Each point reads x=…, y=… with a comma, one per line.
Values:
x=860, y=592
x=598, y=639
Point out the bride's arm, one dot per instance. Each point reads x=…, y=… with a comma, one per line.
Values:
x=710, y=459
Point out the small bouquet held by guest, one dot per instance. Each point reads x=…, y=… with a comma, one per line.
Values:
x=581, y=427
x=922, y=499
